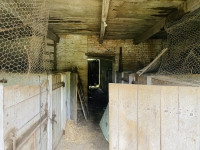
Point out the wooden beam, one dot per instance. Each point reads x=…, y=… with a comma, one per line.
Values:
x=192, y=5
x=52, y=36
x=105, y=7
x=55, y=56
x=177, y=14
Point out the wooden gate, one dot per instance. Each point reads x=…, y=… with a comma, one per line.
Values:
x=57, y=130
x=145, y=117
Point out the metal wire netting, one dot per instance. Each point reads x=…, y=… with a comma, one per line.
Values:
x=183, y=56
x=23, y=29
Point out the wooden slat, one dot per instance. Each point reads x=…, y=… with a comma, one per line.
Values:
x=169, y=117
x=113, y=117
x=127, y=117
x=188, y=118
x=73, y=96
x=148, y=117
x=1, y=118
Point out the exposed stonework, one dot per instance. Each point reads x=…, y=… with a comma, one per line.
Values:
x=72, y=48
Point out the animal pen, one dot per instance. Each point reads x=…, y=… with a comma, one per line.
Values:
x=158, y=109
x=34, y=102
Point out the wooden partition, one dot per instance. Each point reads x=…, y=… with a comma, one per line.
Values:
x=33, y=116
x=25, y=116
x=143, y=117
x=1, y=118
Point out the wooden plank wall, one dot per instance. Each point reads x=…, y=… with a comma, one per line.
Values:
x=73, y=96
x=24, y=108
x=143, y=117
x=56, y=110
x=68, y=74
x=1, y=118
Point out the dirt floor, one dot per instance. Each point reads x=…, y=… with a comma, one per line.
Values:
x=87, y=135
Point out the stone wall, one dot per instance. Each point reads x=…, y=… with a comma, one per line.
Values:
x=72, y=48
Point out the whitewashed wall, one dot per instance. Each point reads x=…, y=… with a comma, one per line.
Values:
x=153, y=117
x=25, y=107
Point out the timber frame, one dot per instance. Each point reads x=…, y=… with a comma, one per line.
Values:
x=177, y=14
x=105, y=7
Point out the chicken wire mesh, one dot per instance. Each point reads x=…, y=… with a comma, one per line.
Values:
x=183, y=55
x=23, y=29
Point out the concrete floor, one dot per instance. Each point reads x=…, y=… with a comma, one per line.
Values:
x=87, y=135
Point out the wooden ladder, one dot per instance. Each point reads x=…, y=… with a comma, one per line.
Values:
x=82, y=100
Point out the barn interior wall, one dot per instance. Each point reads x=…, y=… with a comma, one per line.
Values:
x=72, y=48
x=24, y=108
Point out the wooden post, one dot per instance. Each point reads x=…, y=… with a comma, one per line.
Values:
x=73, y=96
x=1, y=118
x=49, y=125
x=68, y=83
x=63, y=101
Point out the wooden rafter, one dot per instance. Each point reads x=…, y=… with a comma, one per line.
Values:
x=105, y=7
x=52, y=36
x=184, y=8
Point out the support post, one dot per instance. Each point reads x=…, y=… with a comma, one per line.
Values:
x=1, y=119
x=49, y=125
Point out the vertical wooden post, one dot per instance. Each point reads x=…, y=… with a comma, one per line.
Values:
x=68, y=83
x=63, y=101
x=73, y=96
x=120, y=60
x=1, y=118
x=49, y=129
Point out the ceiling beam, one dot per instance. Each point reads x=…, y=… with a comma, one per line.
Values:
x=104, y=15
x=52, y=36
x=184, y=8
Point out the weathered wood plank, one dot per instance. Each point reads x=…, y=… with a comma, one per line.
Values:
x=153, y=30
x=188, y=126
x=17, y=116
x=17, y=94
x=192, y=5
x=52, y=36
x=114, y=117
x=148, y=117
x=169, y=118
x=184, y=8
x=68, y=74
x=49, y=124
x=127, y=117
x=1, y=118
x=73, y=96
x=105, y=7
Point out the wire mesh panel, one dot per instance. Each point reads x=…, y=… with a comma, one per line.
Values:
x=183, y=56
x=23, y=29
